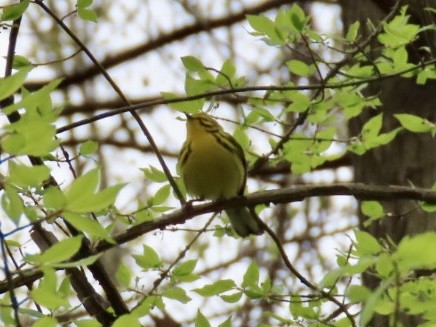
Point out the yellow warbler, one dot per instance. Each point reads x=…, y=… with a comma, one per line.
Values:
x=212, y=165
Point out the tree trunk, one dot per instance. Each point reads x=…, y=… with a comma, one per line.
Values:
x=411, y=158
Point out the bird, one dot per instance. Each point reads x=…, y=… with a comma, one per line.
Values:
x=212, y=166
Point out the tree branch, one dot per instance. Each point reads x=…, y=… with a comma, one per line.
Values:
x=157, y=101
x=286, y=195
x=165, y=39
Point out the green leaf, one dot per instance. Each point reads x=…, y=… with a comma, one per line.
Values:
x=192, y=63
x=87, y=323
x=130, y=320
x=300, y=68
x=358, y=293
x=47, y=293
x=383, y=138
x=361, y=266
x=82, y=4
x=298, y=17
x=11, y=84
x=25, y=176
x=34, y=134
x=384, y=265
x=416, y=252
x=20, y=62
x=353, y=32
x=324, y=139
x=227, y=323
x=124, y=275
x=76, y=263
x=398, y=31
x=14, y=11
x=261, y=24
x=95, y=202
x=360, y=71
x=295, y=151
x=161, y=195
x=177, y=293
x=231, y=298
x=150, y=302
x=149, y=258
x=372, y=209
x=266, y=286
x=87, y=14
x=366, y=244
x=50, y=280
x=65, y=287
x=83, y=186
x=47, y=298
x=184, y=268
x=188, y=106
x=330, y=279
x=37, y=103
x=227, y=72
x=429, y=207
x=30, y=136
x=414, y=123
x=87, y=225
x=198, y=86
x=357, y=147
x=372, y=127
x=58, y=252
x=300, y=101
x=201, y=320
x=54, y=198
x=13, y=143
x=216, y=288
x=81, y=195
x=251, y=276
x=88, y=148
x=254, y=293
x=424, y=74
x=240, y=135
x=12, y=203
x=154, y=174
x=371, y=137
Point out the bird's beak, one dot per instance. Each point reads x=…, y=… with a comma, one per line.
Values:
x=188, y=116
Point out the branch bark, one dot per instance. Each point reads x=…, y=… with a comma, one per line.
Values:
x=286, y=195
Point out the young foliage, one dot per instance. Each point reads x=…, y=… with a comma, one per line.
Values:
x=82, y=195
x=57, y=253
x=84, y=12
x=48, y=294
x=14, y=11
x=9, y=85
x=303, y=125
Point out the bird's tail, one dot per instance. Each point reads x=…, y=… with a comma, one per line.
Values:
x=244, y=221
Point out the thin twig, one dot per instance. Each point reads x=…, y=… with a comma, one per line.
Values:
x=303, y=279
x=303, y=116
x=116, y=88
x=181, y=255
x=9, y=281
x=160, y=101
x=164, y=274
